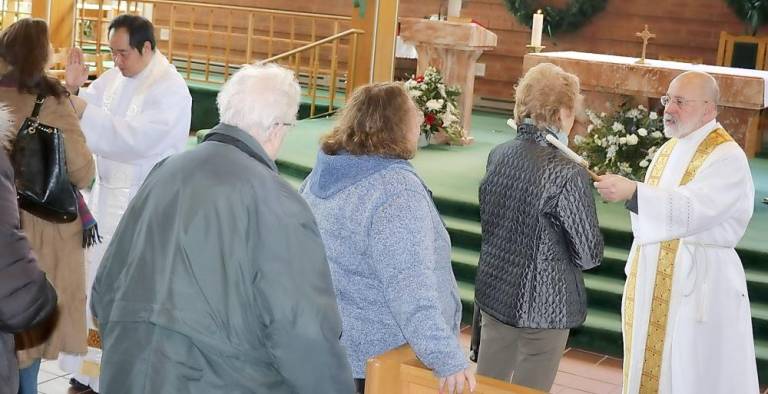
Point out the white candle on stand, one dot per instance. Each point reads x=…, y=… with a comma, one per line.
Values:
x=538, y=24
x=454, y=8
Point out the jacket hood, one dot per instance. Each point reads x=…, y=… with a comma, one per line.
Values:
x=334, y=173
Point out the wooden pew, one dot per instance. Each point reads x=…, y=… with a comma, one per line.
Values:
x=399, y=371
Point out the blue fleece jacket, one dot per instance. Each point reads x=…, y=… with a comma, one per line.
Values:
x=390, y=259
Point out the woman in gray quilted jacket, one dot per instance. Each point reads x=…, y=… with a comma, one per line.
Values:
x=540, y=230
x=388, y=250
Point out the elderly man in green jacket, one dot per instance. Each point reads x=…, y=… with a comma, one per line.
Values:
x=216, y=280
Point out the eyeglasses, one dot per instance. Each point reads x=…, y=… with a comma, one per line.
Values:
x=679, y=101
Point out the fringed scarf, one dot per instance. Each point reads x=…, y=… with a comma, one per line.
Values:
x=91, y=235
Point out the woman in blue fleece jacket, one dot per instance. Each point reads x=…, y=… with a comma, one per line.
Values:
x=389, y=252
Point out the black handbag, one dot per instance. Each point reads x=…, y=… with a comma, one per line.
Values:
x=42, y=180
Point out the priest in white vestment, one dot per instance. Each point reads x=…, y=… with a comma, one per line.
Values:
x=685, y=312
x=135, y=115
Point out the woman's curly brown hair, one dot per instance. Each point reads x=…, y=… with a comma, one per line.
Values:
x=373, y=122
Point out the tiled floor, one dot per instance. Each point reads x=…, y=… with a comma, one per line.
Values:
x=53, y=380
x=580, y=372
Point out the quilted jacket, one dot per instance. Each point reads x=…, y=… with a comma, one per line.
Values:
x=540, y=231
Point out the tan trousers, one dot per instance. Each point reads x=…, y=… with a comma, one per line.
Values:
x=524, y=356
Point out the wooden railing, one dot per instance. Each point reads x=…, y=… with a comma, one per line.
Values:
x=13, y=10
x=208, y=42
x=312, y=55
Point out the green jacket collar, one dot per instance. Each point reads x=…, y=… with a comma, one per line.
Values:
x=247, y=139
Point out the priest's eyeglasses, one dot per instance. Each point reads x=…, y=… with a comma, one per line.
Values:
x=679, y=101
x=286, y=124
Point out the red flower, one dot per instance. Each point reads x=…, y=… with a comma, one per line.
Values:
x=420, y=79
x=429, y=119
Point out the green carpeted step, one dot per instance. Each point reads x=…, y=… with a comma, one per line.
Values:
x=463, y=232
x=759, y=320
x=456, y=208
x=205, y=112
x=753, y=259
x=761, y=349
x=761, y=352
x=467, y=295
x=603, y=292
x=292, y=169
x=464, y=263
x=600, y=332
x=614, y=260
x=757, y=285
x=293, y=181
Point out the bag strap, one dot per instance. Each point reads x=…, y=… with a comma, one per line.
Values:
x=39, y=100
x=232, y=141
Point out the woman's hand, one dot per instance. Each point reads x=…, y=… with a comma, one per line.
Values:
x=455, y=383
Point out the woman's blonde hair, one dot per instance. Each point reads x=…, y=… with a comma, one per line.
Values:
x=374, y=121
x=542, y=92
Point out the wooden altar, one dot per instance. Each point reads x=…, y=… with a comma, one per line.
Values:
x=605, y=78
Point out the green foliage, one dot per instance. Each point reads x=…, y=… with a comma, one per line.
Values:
x=571, y=18
x=753, y=12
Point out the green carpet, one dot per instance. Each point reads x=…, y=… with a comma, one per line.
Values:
x=205, y=114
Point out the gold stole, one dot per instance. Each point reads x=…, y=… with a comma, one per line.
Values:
x=662, y=290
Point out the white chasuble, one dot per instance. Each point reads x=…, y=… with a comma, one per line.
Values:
x=685, y=312
x=130, y=124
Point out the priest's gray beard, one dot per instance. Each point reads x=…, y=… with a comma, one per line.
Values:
x=675, y=128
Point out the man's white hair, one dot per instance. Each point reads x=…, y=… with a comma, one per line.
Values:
x=259, y=96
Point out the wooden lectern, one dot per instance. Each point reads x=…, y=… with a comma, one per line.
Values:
x=398, y=371
x=453, y=48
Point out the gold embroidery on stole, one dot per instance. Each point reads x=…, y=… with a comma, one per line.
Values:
x=662, y=291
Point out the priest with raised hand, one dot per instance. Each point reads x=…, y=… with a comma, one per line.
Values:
x=134, y=115
x=685, y=312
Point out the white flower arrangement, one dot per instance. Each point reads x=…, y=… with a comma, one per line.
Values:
x=438, y=103
x=622, y=143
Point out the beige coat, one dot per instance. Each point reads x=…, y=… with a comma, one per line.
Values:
x=58, y=246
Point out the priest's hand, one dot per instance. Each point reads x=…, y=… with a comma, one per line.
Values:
x=77, y=70
x=615, y=188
